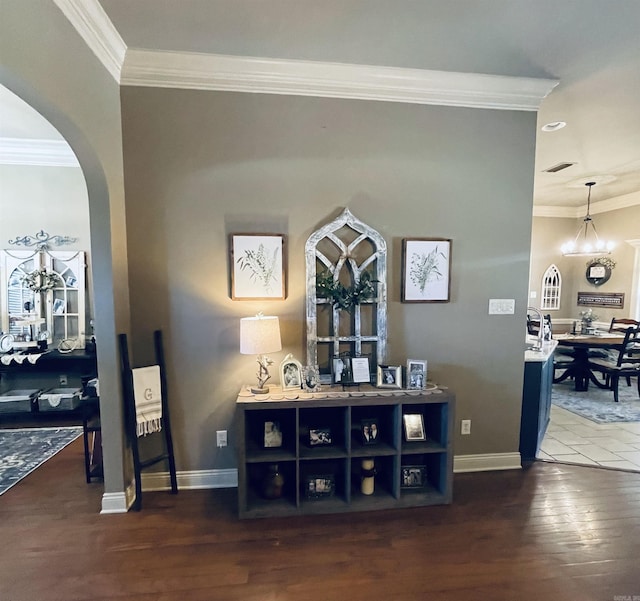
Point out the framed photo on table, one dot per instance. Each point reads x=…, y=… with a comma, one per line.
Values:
x=347, y=370
x=311, y=378
x=416, y=374
x=426, y=270
x=257, y=266
x=389, y=376
x=360, y=370
x=291, y=373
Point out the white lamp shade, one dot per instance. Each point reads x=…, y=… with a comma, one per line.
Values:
x=259, y=335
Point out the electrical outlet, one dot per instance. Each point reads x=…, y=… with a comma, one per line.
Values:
x=465, y=427
x=63, y=380
x=221, y=438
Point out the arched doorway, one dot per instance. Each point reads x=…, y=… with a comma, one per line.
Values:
x=109, y=281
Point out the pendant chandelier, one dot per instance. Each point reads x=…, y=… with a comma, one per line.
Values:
x=587, y=242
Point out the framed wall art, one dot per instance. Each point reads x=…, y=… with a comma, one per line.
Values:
x=426, y=270
x=257, y=266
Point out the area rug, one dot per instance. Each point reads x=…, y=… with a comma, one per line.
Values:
x=597, y=405
x=23, y=450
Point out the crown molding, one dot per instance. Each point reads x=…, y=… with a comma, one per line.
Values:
x=43, y=153
x=612, y=204
x=136, y=67
x=98, y=32
x=604, y=206
x=331, y=80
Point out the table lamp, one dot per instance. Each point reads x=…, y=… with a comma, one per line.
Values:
x=260, y=335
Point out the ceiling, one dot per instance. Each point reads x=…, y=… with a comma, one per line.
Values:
x=591, y=46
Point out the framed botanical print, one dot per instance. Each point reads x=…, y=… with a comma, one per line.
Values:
x=426, y=270
x=257, y=266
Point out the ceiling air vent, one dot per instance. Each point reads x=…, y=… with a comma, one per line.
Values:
x=558, y=167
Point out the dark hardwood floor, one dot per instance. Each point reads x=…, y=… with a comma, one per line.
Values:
x=550, y=532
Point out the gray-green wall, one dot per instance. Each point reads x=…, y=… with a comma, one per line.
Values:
x=200, y=165
x=47, y=64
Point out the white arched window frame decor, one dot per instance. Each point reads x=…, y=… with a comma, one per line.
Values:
x=343, y=251
x=56, y=311
x=551, y=288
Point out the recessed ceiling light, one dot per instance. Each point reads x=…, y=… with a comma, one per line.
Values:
x=554, y=126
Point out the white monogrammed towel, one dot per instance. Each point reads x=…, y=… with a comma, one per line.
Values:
x=148, y=399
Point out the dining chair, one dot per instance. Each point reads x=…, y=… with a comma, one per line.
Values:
x=533, y=326
x=622, y=325
x=626, y=365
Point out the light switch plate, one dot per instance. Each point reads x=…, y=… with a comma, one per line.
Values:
x=221, y=438
x=502, y=306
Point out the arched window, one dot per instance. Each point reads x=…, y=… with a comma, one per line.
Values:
x=551, y=288
x=345, y=251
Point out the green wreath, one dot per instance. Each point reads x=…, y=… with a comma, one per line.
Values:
x=604, y=261
x=40, y=280
x=343, y=297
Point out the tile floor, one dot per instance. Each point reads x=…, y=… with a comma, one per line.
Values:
x=574, y=439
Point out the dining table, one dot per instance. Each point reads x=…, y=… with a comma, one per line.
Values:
x=582, y=346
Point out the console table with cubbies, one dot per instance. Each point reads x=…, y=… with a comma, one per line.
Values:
x=342, y=413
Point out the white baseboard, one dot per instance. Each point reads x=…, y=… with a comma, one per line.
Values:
x=114, y=502
x=486, y=463
x=192, y=480
x=228, y=478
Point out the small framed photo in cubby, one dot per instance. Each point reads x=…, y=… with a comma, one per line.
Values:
x=320, y=486
x=413, y=427
x=370, y=431
x=272, y=435
x=320, y=437
x=413, y=476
